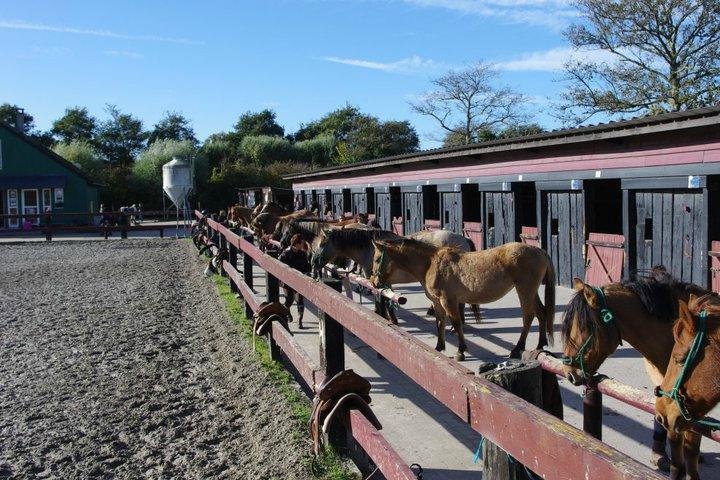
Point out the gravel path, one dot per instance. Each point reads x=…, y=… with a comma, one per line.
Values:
x=118, y=360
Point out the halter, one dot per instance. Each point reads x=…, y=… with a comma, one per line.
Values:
x=674, y=394
x=607, y=317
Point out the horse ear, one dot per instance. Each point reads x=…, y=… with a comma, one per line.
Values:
x=578, y=284
x=685, y=320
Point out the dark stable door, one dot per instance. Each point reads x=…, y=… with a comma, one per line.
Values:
x=412, y=203
x=451, y=214
x=499, y=218
x=565, y=234
x=359, y=203
x=668, y=231
x=338, y=205
x=382, y=211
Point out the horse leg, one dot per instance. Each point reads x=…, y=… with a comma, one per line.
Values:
x=691, y=453
x=540, y=314
x=456, y=319
x=677, y=466
x=431, y=311
x=440, y=324
x=528, y=313
x=476, y=312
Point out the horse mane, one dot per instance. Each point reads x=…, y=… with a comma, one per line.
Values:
x=357, y=237
x=658, y=293
x=710, y=302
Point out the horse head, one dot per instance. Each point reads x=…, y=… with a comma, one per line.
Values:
x=587, y=332
x=383, y=263
x=322, y=252
x=690, y=387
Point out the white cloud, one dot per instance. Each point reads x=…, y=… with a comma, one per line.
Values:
x=555, y=14
x=408, y=66
x=22, y=25
x=552, y=60
x=119, y=53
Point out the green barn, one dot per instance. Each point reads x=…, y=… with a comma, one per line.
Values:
x=34, y=179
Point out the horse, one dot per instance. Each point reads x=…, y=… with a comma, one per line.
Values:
x=264, y=221
x=640, y=312
x=356, y=244
x=689, y=389
x=450, y=276
x=240, y=215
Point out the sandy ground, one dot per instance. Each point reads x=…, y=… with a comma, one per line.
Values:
x=118, y=360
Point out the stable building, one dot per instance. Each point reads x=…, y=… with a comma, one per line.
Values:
x=604, y=201
x=35, y=180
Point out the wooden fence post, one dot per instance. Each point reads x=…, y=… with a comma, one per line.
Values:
x=522, y=379
x=248, y=276
x=222, y=243
x=592, y=410
x=332, y=360
x=232, y=253
x=272, y=294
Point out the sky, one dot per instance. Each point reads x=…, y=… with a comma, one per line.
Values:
x=214, y=60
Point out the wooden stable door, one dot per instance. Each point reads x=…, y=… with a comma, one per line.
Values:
x=413, y=212
x=359, y=203
x=669, y=230
x=715, y=266
x=382, y=211
x=451, y=211
x=337, y=205
x=565, y=234
x=499, y=218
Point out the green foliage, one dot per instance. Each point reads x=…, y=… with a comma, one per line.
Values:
x=121, y=137
x=83, y=154
x=173, y=126
x=218, y=150
x=521, y=130
x=8, y=115
x=258, y=123
x=263, y=149
x=147, y=170
x=317, y=152
x=338, y=123
x=76, y=124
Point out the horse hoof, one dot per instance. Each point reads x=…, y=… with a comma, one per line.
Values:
x=660, y=461
x=459, y=356
x=439, y=348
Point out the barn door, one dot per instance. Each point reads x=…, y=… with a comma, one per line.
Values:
x=499, y=218
x=565, y=234
x=451, y=211
x=337, y=205
x=605, y=257
x=359, y=203
x=669, y=231
x=413, y=210
x=382, y=210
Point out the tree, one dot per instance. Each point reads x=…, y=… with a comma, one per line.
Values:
x=258, y=123
x=457, y=139
x=121, y=137
x=374, y=139
x=466, y=102
x=218, y=149
x=173, y=126
x=338, y=123
x=263, y=149
x=317, y=152
x=84, y=155
x=521, y=130
x=665, y=56
x=8, y=115
x=76, y=124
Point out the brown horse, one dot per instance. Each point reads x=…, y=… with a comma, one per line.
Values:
x=240, y=215
x=642, y=312
x=263, y=223
x=450, y=277
x=689, y=389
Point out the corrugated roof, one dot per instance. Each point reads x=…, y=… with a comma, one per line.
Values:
x=597, y=132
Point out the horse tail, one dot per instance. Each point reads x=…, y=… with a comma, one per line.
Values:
x=549, y=298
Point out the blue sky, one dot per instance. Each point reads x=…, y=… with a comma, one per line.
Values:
x=214, y=60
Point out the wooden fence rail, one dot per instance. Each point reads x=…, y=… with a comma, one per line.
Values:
x=548, y=446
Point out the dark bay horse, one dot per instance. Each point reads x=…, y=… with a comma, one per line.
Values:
x=690, y=387
x=450, y=277
x=641, y=311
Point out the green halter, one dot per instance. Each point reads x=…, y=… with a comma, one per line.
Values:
x=675, y=394
x=607, y=318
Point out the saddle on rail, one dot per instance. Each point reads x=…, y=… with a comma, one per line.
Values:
x=345, y=391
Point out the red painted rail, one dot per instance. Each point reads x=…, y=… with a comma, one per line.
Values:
x=625, y=393
x=545, y=444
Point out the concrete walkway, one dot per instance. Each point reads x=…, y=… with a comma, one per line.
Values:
x=425, y=432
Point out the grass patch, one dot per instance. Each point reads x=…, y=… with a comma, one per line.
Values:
x=328, y=466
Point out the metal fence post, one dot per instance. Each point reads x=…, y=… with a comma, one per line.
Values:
x=248, y=276
x=592, y=410
x=332, y=360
